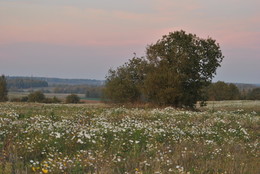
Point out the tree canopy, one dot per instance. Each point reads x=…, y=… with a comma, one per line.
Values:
x=174, y=72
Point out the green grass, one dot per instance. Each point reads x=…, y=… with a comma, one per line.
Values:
x=97, y=138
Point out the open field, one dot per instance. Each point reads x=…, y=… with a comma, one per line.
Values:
x=97, y=138
x=246, y=105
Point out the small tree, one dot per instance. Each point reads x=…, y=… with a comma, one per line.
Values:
x=125, y=83
x=72, y=98
x=3, y=89
x=36, y=96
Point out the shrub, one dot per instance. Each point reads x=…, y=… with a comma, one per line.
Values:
x=15, y=99
x=52, y=100
x=36, y=96
x=24, y=99
x=72, y=98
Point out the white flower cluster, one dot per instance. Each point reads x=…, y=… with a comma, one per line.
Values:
x=81, y=138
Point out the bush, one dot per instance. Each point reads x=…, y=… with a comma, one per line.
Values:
x=24, y=99
x=19, y=99
x=15, y=100
x=52, y=100
x=56, y=100
x=36, y=96
x=72, y=98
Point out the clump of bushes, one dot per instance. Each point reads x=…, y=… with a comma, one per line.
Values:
x=19, y=99
x=52, y=100
x=72, y=98
x=36, y=97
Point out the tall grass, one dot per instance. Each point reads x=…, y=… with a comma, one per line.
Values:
x=40, y=138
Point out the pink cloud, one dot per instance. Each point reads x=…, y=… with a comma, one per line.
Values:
x=82, y=27
x=90, y=26
x=242, y=39
x=172, y=6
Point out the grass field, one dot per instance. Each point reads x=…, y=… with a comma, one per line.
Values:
x=96, y=138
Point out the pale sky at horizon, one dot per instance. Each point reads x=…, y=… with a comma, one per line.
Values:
x=84, y=38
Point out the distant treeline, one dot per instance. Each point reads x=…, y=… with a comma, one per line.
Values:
x=246, y=87
x=55, y=81
x=215, y=91
x=89, y=91
x=25, y=83
x=227, y=91
x=60, y=81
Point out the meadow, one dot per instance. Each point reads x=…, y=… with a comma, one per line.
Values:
x=97, y=138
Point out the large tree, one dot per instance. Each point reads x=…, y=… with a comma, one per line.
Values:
x=3, y=89
x=174, y=72
x=182, y=65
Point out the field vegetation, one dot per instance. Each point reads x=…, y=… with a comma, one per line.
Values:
x=68, y=138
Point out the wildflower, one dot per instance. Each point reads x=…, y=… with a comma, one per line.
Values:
x=58, y=135
x=34, y=169
x=44, y=170
x=80, y=141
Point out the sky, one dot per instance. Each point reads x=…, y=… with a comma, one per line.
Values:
x=84, y=38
